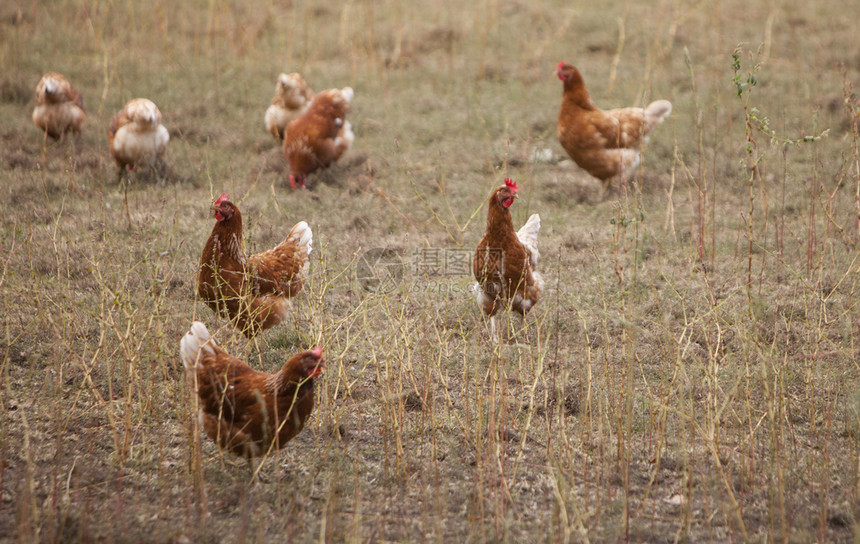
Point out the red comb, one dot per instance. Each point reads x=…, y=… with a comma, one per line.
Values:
x=317, y=351
x=560, y=66
x=221, y=199
x=512, y=185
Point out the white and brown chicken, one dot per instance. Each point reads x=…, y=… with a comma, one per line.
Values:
x=59, y=106
x=136, y=136
x=292, y=97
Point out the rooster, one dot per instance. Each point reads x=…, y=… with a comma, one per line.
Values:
x=505, y=259
x=136, y=135
x=292, y=98
x=319, y=136
x=247, y=412
x=59, y=106
x=603, y=143
x=253, y=292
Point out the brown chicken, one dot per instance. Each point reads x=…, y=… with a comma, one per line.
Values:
x=253, y=292
x=59, y=106
x=603, y=143
x=319, y=136
x=292, y=98
x=244, y=411
x=505, y=259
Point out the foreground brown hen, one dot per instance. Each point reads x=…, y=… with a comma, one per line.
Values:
x=319, y=136
x=253, y=292
x=505, y=259
x=244, y=411
x=59, y=106
x=604, y=143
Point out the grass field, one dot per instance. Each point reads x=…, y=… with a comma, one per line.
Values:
x=690, y=375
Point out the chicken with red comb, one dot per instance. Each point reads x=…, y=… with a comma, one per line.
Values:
x=247, y=412
x=604, y=143
x=252, y=292
x=505, y=260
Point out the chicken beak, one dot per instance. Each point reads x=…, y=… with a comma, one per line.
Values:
x=216, y=212
x=318, y=370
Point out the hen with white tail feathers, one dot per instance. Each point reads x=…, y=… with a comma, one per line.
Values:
x=247, y=412
x=253, y=292
x=505, y=262
x=604, y=143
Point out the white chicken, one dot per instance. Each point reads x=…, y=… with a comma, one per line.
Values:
x=137, y=137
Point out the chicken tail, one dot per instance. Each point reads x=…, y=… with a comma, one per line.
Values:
x=658, y=110
x=528, y=236
x=302, y=238
x=538, y=283
x=195, y=344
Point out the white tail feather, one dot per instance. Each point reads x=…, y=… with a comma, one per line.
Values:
x=479, y=293
x=197, y=339
x=302, y=236
x=345, y=136
x=528, y=236
x=538, y=279
x=659, y=110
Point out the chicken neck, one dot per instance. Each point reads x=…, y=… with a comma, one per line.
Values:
x=499, y=221
x=575, y=93
x=226, y=240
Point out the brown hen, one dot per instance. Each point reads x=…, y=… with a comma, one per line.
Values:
x=505, y=261
x=319, y=136
x=244, y=411
x=253, y=292
x=604, y=143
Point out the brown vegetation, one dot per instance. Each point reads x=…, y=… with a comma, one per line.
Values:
x=690, y=373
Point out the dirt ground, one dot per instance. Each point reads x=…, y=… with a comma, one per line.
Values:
x=690, y=374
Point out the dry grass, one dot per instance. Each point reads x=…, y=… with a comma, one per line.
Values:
x=691, y=374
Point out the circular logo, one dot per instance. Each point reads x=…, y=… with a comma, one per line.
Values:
x=379, y=270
